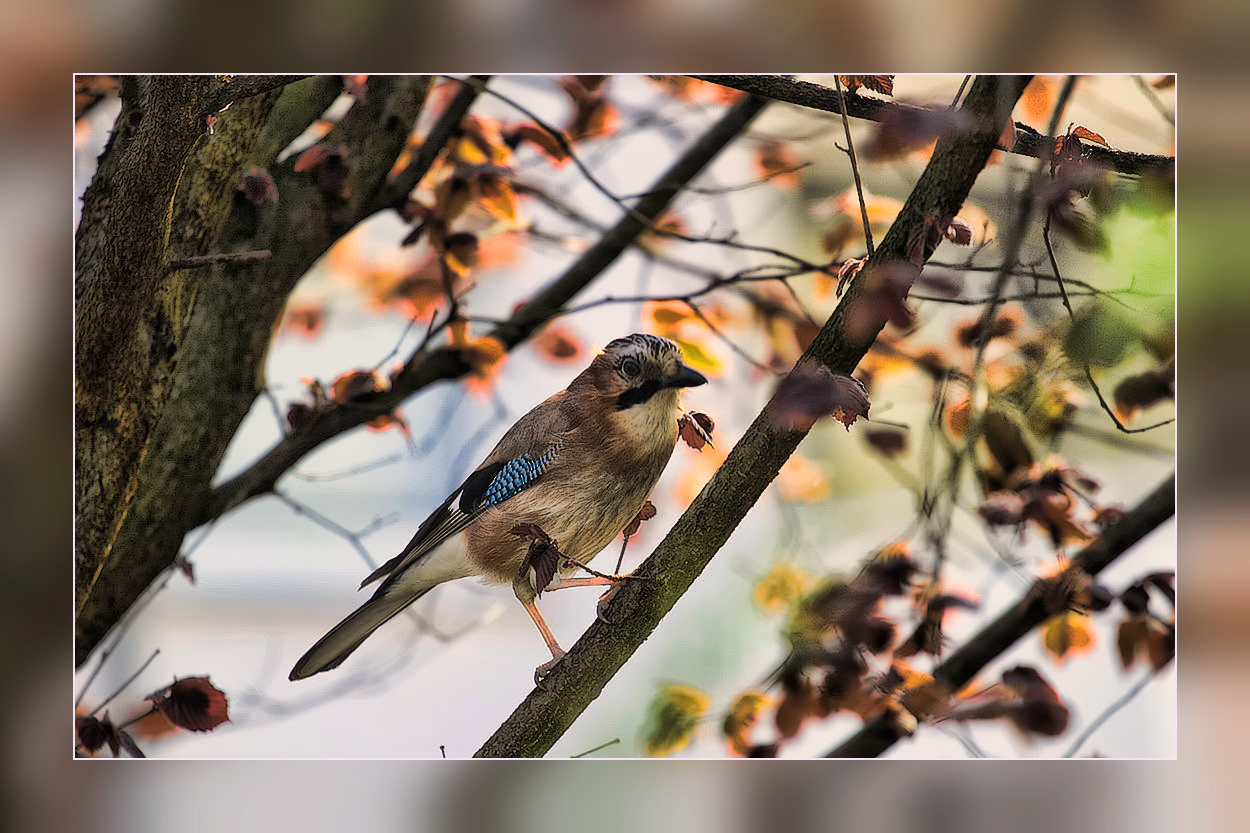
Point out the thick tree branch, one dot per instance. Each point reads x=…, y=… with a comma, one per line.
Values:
x=161, y=191
x=219, y=323
x=1029, y=613
x=1028, y=142
x=232, y=88
x=752, y=464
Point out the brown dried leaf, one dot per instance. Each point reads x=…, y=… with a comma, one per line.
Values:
x=94, y=733
x=883, y=84
x=354, y=384
x=797, y=704
x=901, y=130
x=889, y=441
x=329, y=167
x=1139, y=392
x=559, y=344
x=695, y=430
x=185, y=567
x=1040, y=716
x=543, y=556
x=531, y=532
x=849, y=269
x=1130, y=633
x=1088, y=135
x=646, y=513
x=547, y=144
x=192, y=703
x=808, y=393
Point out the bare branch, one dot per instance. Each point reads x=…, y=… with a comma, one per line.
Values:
x=1028, y=142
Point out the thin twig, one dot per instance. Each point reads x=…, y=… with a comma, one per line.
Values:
x=963, y=85
x=124, y=685
x=850, y=151
x=1108, y=713
x=321, y=520
x=229, y=258
x=595, y=749
x=729, y=341
x=1054, y=265
x=1111, y=411
x=1154, y=99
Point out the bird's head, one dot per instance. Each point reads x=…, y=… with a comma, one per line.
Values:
x=640, y=374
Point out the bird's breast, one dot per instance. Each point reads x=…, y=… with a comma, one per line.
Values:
x=582, y=507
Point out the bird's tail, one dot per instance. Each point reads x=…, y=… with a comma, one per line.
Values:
x=346, y=636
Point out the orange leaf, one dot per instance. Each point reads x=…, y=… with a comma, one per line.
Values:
x=774, y=161
x=497, y=196
x=1038, y=98
x=559, y=344
x=1089, y=135
x=883, y=84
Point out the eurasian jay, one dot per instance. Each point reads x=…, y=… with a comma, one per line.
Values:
x=579, y=466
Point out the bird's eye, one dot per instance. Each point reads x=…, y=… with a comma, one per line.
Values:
x=630, y=367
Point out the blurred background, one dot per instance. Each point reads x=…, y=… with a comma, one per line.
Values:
x=43, y=44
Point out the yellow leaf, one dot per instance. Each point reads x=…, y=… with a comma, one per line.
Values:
x=1068, y=633
x=675, y=713
x=665, y=315
x=783, y=584
x=698, y=358
x=742, y=716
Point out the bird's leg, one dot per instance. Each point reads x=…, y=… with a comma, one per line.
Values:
x=613, y=583
x=525, y=594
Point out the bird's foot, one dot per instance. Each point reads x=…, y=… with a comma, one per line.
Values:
x=602, y=605
x=541, y=672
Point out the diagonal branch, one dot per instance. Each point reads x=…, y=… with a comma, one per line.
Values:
x=1028, y=142
x=751, y=465
x=429, y=366
x=1029, y=613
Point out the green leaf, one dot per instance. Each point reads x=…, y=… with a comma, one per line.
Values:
x=1100, y=335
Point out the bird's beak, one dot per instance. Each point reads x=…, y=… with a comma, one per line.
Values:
x=685, y=377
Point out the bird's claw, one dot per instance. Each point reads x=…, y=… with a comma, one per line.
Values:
x=602, y=604
x=541, y=672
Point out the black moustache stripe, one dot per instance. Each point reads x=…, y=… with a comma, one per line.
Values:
x=638, y=395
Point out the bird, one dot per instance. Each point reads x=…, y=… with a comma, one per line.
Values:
x=579, y=466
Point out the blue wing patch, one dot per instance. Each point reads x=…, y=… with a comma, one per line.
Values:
x=516, y=476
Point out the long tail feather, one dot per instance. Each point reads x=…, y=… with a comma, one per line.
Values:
x=347, y=636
